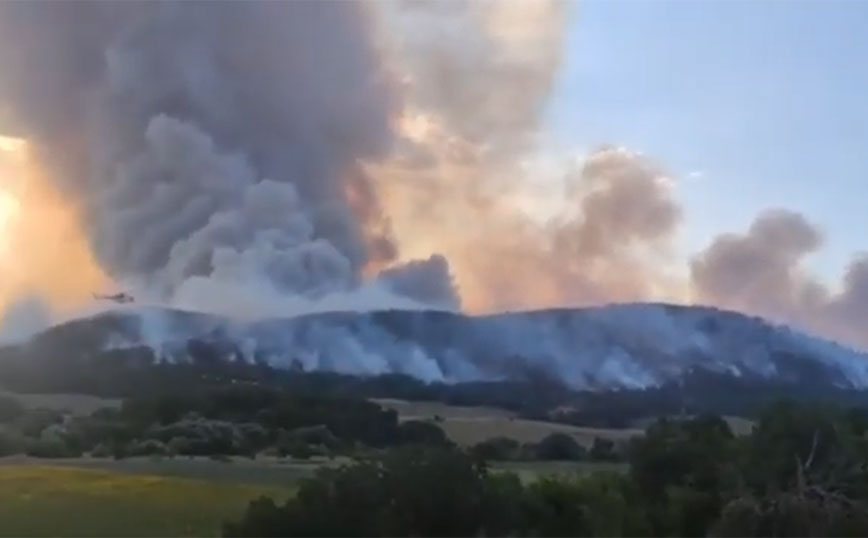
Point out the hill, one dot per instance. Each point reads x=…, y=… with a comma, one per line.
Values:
x=573, y=365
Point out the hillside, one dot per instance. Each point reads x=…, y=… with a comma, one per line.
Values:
x=616, y=347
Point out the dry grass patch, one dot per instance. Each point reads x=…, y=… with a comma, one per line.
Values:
x=40, y=500
x=470, y=425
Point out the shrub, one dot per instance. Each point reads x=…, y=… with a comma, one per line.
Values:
x=10, y=409
x=560, y=446
x=147, y=447
x=11, y=444
x=422, y=433
x=101, y=451
x=497, y=448
x=51, y=448
x=603, y=450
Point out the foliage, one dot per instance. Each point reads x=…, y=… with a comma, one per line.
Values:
x=51, y=448
x=560, y=446
x=10, y=409
x=604, y=450
x=803, y=471
x=422, y=433
x=11, y=443
x=410, y=491
x=496, y=449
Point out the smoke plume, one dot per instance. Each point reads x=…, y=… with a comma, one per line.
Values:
x=216, y=141
x=272, y=158
x=762, y=271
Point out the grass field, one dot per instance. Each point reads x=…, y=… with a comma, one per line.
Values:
x=78, y=404
x=41, y=500
x=137, y=497
x=528, y=471
x=470, y=425
x=263, y=470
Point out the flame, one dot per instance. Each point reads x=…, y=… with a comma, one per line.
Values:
x=43, y=249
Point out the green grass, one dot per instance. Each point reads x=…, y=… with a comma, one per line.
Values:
x=263, y=470
x=41, y=500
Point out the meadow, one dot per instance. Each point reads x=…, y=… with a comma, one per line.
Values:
x=467, y=426
x=168, y=497
x=77, y=404
x=53, y=500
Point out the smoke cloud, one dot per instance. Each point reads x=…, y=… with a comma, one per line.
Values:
x=762, y=271
x=220, y=141
x=274, y=158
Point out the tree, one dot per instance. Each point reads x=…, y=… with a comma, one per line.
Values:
x=423, y=433
x=496, y=449
x=411, y=491
x=603, y=450
x=560, y=446
x=684, y=470
x=10, y=409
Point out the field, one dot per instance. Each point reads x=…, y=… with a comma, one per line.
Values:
x=143, y=497
x=470, y=425
x=193, y=496
x=528, y=471
x=78, y=404
x=43, y=500
x=262, y=471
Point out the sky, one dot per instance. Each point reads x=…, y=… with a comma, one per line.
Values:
x=749, y=104
x=404, y=153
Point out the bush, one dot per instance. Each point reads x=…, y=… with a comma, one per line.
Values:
x=312, y=435
x=410, y=492
x=560, y=446
x=51, y=448
x=101, y=451
x=296, y=450
x=496, y=449
x=11, y=444
x=603, y=450
x=147, y=447
x=184, y=446
x=10, y=409
x=441, y=492
x=422, y=433
x=32, y=422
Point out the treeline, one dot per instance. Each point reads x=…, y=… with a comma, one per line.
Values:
x=232, y=420
x=802, y=472
x=553, y=447
x=135, y=373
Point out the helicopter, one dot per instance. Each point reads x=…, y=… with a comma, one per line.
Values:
x=120, y=298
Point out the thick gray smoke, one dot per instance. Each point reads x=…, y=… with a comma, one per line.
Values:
x=762, y=271
x=220, y=140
